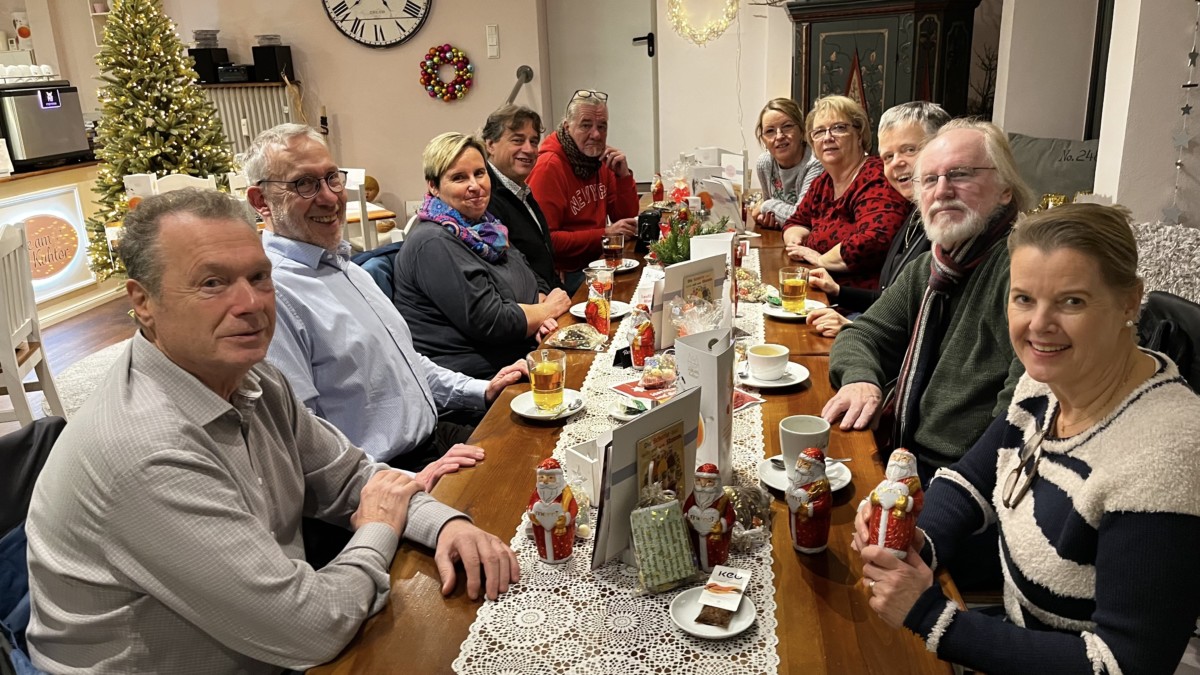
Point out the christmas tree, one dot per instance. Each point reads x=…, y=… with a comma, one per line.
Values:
x=155, y=118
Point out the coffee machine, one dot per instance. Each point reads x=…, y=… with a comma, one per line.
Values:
x=42, y=123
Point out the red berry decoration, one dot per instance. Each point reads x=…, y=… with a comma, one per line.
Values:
x=435, y=86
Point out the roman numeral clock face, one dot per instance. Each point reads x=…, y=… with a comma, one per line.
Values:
x=378, y=23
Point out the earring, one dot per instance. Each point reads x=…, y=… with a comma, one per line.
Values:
x=1129, y=323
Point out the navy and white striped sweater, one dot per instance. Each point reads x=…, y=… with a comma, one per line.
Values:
x=1101, y=556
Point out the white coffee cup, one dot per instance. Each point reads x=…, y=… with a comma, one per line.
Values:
x=768, y=361
x=799, y=432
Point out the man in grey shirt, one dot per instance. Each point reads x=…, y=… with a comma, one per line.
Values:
x=164, y=533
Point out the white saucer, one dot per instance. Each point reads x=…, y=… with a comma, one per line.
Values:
x=626, y=265
x=837, y=473
x=749, y=235
x=795, y=374
x=686, y=606
x=523, y=406
x=781, y=313
x=616, y=311
x=617, y=411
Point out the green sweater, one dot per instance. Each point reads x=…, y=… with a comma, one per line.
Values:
x=976, y=371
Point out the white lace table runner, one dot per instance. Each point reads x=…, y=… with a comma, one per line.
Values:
x=568, y=619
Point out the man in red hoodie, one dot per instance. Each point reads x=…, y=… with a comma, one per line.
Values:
x=584, y=186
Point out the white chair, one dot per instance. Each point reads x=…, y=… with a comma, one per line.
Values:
x=20, y=337
x=178, y=181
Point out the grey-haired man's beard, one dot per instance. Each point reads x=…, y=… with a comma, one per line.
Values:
x=972, y=224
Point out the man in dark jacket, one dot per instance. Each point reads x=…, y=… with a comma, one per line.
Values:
x=511, y=136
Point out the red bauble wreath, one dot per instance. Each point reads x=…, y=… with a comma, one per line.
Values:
x=464, y=73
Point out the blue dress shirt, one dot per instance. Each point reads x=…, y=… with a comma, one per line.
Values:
x=349, y=354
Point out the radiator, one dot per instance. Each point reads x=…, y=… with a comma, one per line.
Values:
x=248, y=109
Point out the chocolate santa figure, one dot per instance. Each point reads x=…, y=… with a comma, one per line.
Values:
x=552, y=510
x=895, y=504
x=810, y=502
x=709, y=513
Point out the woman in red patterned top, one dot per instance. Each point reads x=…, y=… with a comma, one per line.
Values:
x=847, y=220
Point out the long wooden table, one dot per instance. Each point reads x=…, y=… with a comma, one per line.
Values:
x=825, y=623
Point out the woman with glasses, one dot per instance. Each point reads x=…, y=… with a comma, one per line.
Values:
x=1092, y=475
x=471, y=299
x=787, y=169
x=903, y=130
x=847, y=220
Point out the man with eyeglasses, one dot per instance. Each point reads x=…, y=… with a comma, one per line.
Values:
x=341, y=342
x=584, y=186
x=939, y=331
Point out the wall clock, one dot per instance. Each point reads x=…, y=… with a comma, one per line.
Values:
x=378, y=23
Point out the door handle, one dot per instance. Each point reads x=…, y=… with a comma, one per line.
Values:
x=648, y=38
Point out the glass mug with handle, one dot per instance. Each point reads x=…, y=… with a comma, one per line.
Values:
x=793, y=288
x=547, y=377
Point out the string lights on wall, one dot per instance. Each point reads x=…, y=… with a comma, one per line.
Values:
x=712, y=30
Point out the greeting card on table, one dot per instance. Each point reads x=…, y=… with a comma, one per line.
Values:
x=724, y=202
x=663, y=437
x=703, y=277
x=704, y=361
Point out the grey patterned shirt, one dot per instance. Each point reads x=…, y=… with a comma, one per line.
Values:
x=164, y=532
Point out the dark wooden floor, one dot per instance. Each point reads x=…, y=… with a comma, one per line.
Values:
x=71, y=340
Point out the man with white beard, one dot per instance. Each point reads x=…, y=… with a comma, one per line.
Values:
x=939, y=331
x=709, y=512
x=552, y=511
x=810, y=503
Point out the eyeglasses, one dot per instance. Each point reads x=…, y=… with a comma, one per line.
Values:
x=1014, y=488
x=958, y=177
x=590, y=93
x=308, y=187
x=837, y=131
x=771, y=132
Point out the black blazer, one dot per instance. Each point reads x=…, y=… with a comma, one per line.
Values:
x=531, y=238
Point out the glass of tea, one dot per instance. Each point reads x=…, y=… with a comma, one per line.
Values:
x=548, y=376
x=613, y=245
x=793, y=288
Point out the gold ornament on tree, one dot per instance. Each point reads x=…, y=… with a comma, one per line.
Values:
x=711, y=30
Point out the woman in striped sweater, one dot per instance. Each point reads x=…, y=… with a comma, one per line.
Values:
x=1093, y=476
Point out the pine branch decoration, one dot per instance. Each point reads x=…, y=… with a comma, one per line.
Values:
x=154, y=116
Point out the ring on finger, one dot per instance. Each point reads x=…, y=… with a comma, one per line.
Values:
x=871, y=585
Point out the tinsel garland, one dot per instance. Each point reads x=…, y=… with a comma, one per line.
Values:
x=1167, y=256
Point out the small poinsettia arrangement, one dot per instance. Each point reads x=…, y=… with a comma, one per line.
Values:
x=675, y=245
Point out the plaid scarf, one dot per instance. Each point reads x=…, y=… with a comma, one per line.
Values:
x=584, y=167
x=949, y=268
x=488, y=238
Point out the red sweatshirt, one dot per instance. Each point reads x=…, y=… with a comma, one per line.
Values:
x=577, y=211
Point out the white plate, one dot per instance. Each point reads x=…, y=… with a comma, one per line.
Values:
x=795, y=374
x=781, y=313
x=616, y=311
x=749, y=235
x=523, y=406
x=617, y=410
x=686, y=606
x=837, y=473
x=626, y=264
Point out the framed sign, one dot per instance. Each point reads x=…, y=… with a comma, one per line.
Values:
x=57, y=239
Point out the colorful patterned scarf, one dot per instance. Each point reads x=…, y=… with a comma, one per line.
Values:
x=584, y=167
x=948, y=269
x=488, y=238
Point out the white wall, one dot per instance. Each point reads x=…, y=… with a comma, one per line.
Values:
x=699, y=94
x=1045, y=67
x=1147, y=64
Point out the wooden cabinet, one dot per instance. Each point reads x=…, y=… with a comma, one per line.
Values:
x=883, y=52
